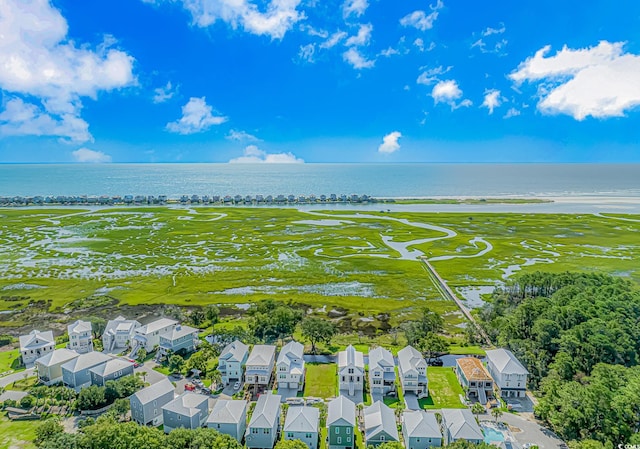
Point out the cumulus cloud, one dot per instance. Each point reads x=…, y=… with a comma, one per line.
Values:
x=430, y=76
x=306, y=52
x=334, y=39
x=449, y=92
x=601, y=81
x=197, y=116
x=357, y=60
x=492, y=100
x=420, y=19
x=38, y=61
x=490, y=40
x=362, y=38
x=164, y=93
x=354, y=7
x=88, y=156
x=241, y=136
x=254, y=155
x=388, y=52
x=390, y=143
x=279, y=16
x=512, y=112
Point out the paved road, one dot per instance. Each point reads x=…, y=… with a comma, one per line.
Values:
x=11, y=378
x=530, y=432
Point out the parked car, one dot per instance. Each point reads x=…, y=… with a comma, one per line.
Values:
x=189, y=387
x=435, y=362
x=236, y=386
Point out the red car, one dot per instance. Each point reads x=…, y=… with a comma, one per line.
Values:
x=189, y=387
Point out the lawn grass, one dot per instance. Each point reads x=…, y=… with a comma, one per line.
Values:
x=10, y=361
x=321, y=380
x=466, y=350
x=444, y=389
x=23, y=384
x=16, y=434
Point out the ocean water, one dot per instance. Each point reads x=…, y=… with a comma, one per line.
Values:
x=378, y=180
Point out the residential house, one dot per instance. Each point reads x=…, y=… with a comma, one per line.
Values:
x=474, y=378
x=80, y=336
x=460, y=424
x=180, y=338
x=260, y=365
x=351, y=372
x=148, y=336
x=49, y=367
x=379, y=424
x=75, y=372
x=146, y=404
x=262, y=432
x=189, y=410
x=232, y=360
x=290, y=369
x=420, y=430
x=110, y=370
x=509, y=375
x=35, y=345
x=229, y=417
x=118, y=334
x=412, y=369
x=341, y=421
x=302, y=424
x=382, y=373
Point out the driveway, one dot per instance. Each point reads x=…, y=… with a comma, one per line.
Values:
x=287, y=393
x=411, y=401
x=152, y=376
x=529, y=432
x=356, y=398
x=11, y=378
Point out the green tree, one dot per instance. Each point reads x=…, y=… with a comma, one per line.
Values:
x=478, y=408
x=432, y=344
x=197, y=317
x=216, y=379
x=46, y=430
x=142, y=354
x=176, y=363
x=464, y=444
x=496, y=413
x=98, y=325
x=27, y=401
x=317, y=330
x=121, y=406
x=91, y=398
x=290, y=444
x=388, y=445
x=212, y=313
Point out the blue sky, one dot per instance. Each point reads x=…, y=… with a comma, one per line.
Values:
x=319, y=81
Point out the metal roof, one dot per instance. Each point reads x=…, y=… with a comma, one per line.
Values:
x=461, y=424
x=505, y=361
x=302, y=419
x=261, y=355
x=187, y=404
x=154, y=391
x=227, y=411
x=341, y=409
x=420, y=424
x=266, y=412
x=379, y=418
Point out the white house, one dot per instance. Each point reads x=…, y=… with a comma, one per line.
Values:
x=49, y=366
x=232, y=360
x=509, y=375
x=460, y=424
x=382, y=373
x=118, y=333
x=80, y=337
x=35, y=345
x=351, y=372
x=379, y=424
x=290, y=368
x=412, y=369
x=420, y=430
x=260, y=365
x=229, y=417
x=148, y=336
x=302, y=424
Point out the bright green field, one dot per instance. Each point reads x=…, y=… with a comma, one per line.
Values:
x=16, y=434
x=361, y=263
x=321, y=380
x=444, y=389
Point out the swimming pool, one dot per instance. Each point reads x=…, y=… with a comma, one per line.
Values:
x=492, y=435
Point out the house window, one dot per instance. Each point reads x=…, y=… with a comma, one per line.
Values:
x=307, y=435
x=290, y=435
x=155, y=403
x=339, y=440
x=357, y=378
x=254, y=430
x=342, y=378
x=179, y=417
x=381, y=437
x=267, y=431
x=337, y=430
x=348, y=439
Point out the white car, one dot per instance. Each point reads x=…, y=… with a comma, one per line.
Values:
x=236, y=386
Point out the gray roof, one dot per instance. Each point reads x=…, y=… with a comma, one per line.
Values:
x=302, y=419
x=461, y=424
x=261, y=355
x=120, y=324
x=505, y=361
x=36, y=339
x=79, y=326
x=409, y=358
x=290, y=351
x=234, y=351
x=155, y=326
x=341, y=409
x=420, y=424
x=179, y=331
x=379, y=418
x=350, y=357
x=110, y=367
x=85, y=361
x=266, y=412
x=59, y=356
x=154, y=391
x=380, y=357
x=187, y=404
x=227, y=411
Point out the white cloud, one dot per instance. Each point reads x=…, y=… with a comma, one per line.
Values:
x=489, y=31
x=241, y=136
x=600, y=81
x=334, y=39
x=164, y=93
x=390, y=143
x=37, y=60
x=387, y=53
x=26, y=119
x=357, y=60
x=306, y=52
x=419, y=43
x=448, y=92
x=355, y=7
x=254, y=155
x=431, y=46
x=430, y=76
x=362, y=38
x=196, y=117
x=512, y=112
x=492, y=100
x=420, y=19
x=278, y=17
x=86, y=155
